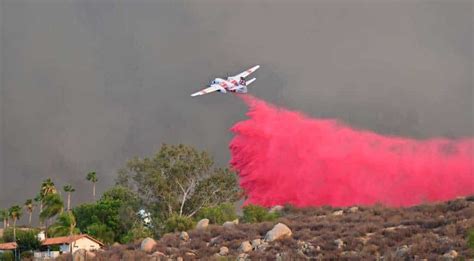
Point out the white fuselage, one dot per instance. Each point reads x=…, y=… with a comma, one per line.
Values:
x=230, y=84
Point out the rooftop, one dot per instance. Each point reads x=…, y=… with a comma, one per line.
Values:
x=8, y=246
x=67, y=240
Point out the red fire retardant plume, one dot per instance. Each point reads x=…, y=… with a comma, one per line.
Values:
x=284, y=157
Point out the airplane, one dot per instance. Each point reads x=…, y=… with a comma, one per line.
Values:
x=233, y=84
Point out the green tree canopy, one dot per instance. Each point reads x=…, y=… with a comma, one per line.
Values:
x=178, y=180
x=65, y=225
x=111, y=217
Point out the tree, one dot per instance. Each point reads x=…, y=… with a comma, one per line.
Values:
x=53, y=205
x=65, y=225
x=29, y=206
x=4, y=215
x=113, y=215
x=69, y=189
x=14, y=213
x=92, y=177
x=26, y=239
x=47, y=188
x=178, y=180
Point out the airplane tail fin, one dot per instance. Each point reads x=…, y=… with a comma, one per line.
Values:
x=251, y=81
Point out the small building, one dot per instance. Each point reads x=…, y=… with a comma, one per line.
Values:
x=55, y=246
x=10, y=246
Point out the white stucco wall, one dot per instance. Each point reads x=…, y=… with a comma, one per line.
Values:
x=84, y=243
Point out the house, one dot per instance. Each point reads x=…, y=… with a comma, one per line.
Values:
x=53, y=247
x=8, y=246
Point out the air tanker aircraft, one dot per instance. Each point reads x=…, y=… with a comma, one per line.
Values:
x=236, y=83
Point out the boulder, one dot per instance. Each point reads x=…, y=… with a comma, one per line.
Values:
x=245, y=247
x=229, y=224
x=83, y=255
x=451, y=255
x=179, y=258
x=158, y=254
x=242, y=256
x=339, y=243
x=353, y=209
x=202, y=224
x=223, y=251
x=256, y=242
x=402, y=252
x=276, y=209
x=338, y=213
x=214, y=240
x=116, y=244
x=148, y=244
x=184, y=236
x=279, y=231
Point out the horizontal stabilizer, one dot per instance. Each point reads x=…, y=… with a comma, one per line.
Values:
x=251, y=81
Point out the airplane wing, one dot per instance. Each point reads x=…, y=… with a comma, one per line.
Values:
x=207, y=90
x=247, y=72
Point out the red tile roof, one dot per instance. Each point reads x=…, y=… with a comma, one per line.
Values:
x=8, y=246
x=67, y=240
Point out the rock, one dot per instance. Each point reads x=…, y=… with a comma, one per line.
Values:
x=223, y=251
x=451, y=255
x=214, y=240
x=339, y=243
x=190, y=254
x=229, y=224
x=158, y=254
x=202, y=224
x=83, y=255
x=179, y=258
x=281, y=257
x=402, y=252
x=279, y=231
x=276, y=209
x=349, y=254
x=353, y=209
x=245, y=247
x=338, y=213
x=242, y=256
x=318, y=248
x=184, y=236
x=116, y=244
x=263, y=246
x=148, y=244
x=256, y=242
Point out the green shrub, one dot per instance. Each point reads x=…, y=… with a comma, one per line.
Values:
x=255, y=214
x=26, y=239
x=178, y=223
x=7, y=256
x=136, y=232
x=101, y=232
x=26, y=255
x=470, y=239
x=219, y=214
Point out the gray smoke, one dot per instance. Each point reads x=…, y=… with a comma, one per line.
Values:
x=86, y=85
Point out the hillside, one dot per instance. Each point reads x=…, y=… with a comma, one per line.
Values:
x=433, y=232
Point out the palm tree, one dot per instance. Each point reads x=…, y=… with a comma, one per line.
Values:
x=92, y=177
x=29, y=206
x=39, y=200
x=69, y=189
x=4, y=215
x=47, y=187
x=15, y=213
x=53, y=205
x=64, y=225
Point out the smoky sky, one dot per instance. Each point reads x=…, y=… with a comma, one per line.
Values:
x=86, y=85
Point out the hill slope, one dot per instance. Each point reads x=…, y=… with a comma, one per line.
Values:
x=435, y=231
